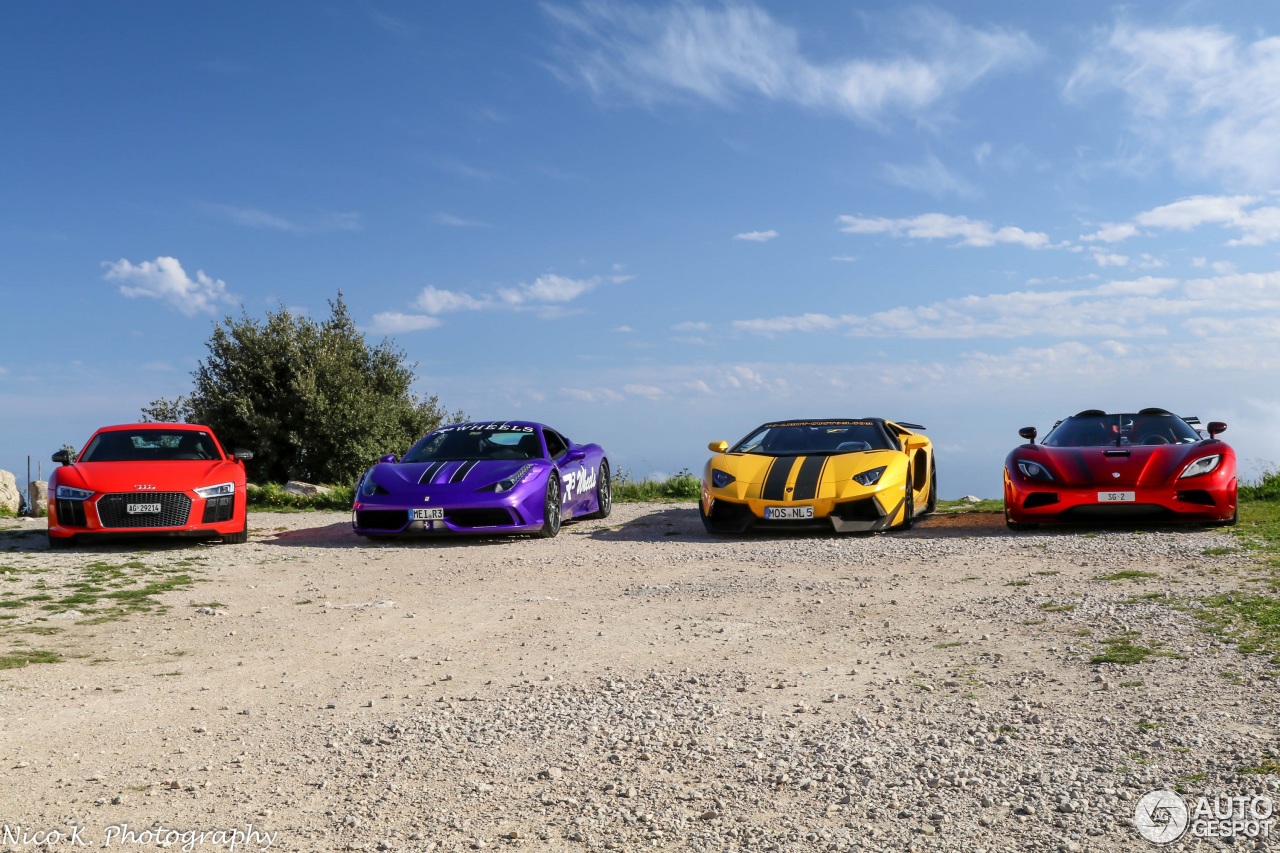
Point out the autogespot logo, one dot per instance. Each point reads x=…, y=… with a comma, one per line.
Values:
x=1161, y=817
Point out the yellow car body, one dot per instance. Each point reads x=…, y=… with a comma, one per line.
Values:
x=842, y=474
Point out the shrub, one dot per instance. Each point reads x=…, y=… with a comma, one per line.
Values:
x=684, y=486
x=272, y=497
x=1267, y=488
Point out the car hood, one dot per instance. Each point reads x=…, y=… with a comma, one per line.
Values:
x=1131, y=465
x=400, y=476
x=754, y=468
x=173, y=476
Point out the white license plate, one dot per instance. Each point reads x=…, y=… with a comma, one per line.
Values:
x=787, y=513
x=426, y=515
x=1116, y=497
x=142, y=509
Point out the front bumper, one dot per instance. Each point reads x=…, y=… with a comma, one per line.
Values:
x=463, y=514
x=1191, y=503
x=183, y=515
x=869, y=513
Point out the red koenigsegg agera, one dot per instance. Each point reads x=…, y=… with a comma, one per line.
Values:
x=1150, y=466
x=148, y=480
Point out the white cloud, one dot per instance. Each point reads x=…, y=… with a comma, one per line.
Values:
x=547, y=288
x=1111, y=233
x=930, y=177
x=166, y=280
x=458, y=222
x=940, y=226
x=845, y=259
x=318, y=224
x=624, y=330
x=394, y=322
x=1146, y=307
x=1188, y=213
x=722, y=53
x=1109, y=259
x=1203, y=95
x=691, y=326
x=756, y=236
x=649, y=392
x=547, y=295
x=433, y=300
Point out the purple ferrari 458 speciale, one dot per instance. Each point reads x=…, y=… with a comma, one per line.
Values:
x=484, y=478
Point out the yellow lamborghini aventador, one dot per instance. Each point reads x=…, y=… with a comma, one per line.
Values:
x=856, y=474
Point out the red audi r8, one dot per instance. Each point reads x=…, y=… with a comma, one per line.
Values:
x=1146, y=466
x=148, y=480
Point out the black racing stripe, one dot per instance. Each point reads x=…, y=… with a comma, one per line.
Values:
x=809, y=477
x=429, y=474
x=463, y=470
x=775, y=482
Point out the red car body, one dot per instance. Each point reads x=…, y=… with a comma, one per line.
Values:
x=1148, y=466
x=148, y=480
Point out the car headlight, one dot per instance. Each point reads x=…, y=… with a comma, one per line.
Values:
x=67, y=493
x=1033, y=470
x=869, y=478
x=368, y=488
x=720, y=479
x=1201, y=466
x=509, y=483
x=216, y=491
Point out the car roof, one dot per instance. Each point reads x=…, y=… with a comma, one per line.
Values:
x=155, y=425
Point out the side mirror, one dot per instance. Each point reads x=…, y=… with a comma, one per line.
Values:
x=241, y=455
x=1029, y=433
x=913, y=442
x=390, y=457
x=1216, y=427
x=576, y=455
x=718, y=447
x=62, y=457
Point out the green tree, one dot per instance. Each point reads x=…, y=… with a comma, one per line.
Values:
x=313, y=400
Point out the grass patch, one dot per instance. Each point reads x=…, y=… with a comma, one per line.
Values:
x=1249, y=620
x=1136, y=575
x=1057, y=607
x=1018, y=583
x=949, y=645
x=682, y=487
x=1266, y=767
x=19, y=659
x=1122, y=649
x=271, y=497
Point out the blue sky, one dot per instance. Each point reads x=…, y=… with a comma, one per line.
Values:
x=654, y=225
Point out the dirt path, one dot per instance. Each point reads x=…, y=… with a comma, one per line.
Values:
x=632, y=684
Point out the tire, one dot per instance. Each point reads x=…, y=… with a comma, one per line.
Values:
x=237, y=538
x=908, y=506
x=57, y=543
x=933, y=491
x=604, y=492
x=551, y=509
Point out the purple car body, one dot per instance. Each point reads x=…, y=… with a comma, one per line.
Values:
x=484, y=478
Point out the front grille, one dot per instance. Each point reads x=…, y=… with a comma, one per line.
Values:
x=175, y=510
x=491, y=517
x=381, y=519
x=1038, y=499
x=71, y=513
x=1118, y=512
x=731, y=517
x=219, y=509
x=862, y=509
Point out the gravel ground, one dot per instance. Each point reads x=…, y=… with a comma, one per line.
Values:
x=630, y=685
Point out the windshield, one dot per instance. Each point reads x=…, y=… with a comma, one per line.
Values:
x=801, y=438
x=458, y=443
x=1120, y=430
x=150, y=445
